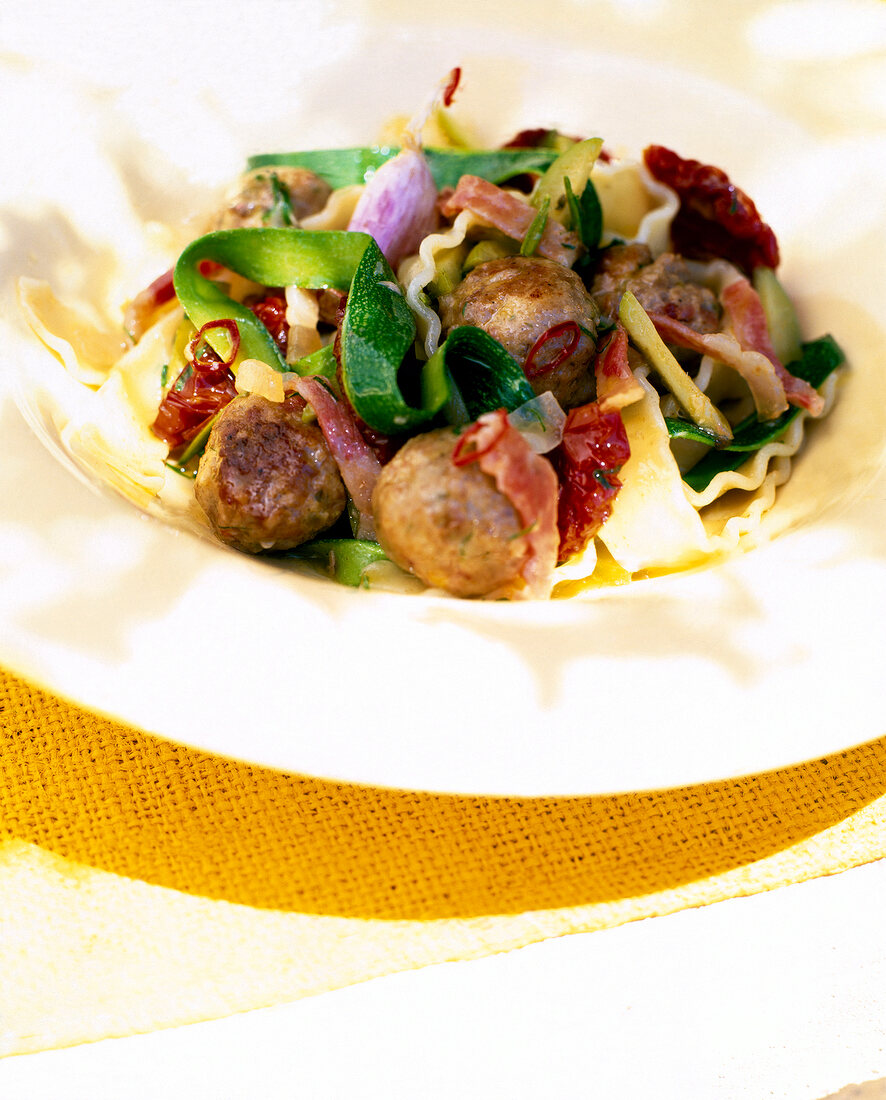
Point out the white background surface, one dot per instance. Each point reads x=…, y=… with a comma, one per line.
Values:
x=779, y=995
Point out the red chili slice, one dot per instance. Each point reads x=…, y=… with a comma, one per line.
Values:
x=198, y=347
x=450, y=89
x=569, y=329
x=480, y=438
x=716, y=218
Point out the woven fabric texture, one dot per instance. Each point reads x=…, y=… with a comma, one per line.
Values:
x=144, y=884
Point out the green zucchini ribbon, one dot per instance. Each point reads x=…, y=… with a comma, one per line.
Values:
x=470, y=374
x=344, y=167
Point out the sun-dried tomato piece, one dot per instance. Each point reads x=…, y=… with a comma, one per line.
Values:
x=716, y=218
x=535, y=138
x=271, y=311
x=594, y=448
x=203, y=388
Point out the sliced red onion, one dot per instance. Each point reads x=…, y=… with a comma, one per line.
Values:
x=398, y=206
x=357, y=463
x=139, y=312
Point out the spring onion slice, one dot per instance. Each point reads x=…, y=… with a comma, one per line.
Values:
x=536, y=230
x=344, y=167
x=345, y=560
x=575, y=164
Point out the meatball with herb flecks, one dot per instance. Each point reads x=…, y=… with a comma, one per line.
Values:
x=274, y=196
x=663, y=285
x=543, y=315
x=448, y=525
x=267, y=480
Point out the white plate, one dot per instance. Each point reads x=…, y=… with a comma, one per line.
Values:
x=769, y=659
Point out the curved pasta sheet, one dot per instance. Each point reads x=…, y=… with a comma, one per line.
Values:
x=114, y=446
x=106, y=428
x=114, y=438
x=417, y=272
x=658, y=522
x=580, y=567
x=87, y=351
x=752, y=474
x=652, y=524
x=336, y=214
x=635, y=206
x=728, y=528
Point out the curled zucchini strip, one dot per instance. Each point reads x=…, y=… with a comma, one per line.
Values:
x=377, y=333
x=698, y=405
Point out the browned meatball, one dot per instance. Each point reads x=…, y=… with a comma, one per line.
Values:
x=254, y=203
x=517, y=299
x=663, y=285
x=267, y=480
x=617, y=264
x=447, y=524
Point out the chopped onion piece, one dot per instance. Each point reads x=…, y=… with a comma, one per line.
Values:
x=302, y=316
x=540, y=422
x=254, y=376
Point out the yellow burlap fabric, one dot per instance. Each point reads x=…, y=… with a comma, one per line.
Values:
x=144, y=885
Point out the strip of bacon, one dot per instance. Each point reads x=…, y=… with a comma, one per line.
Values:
x=530, y=484
x=512, y=216
x=357, y=463
x=748, y=321
x=759, y=373
x=140, y=311
x=616, y=384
